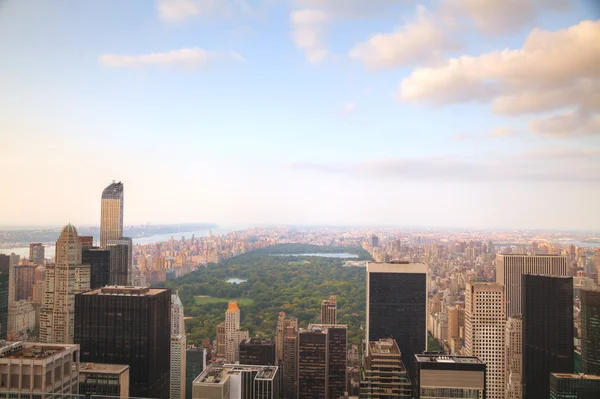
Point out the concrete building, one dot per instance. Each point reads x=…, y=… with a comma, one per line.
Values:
x=259, y=352
x=322, y=361
x=111, y=213
x=574, y=386
x=484, y=333
x=21, y=320
x=233, y=335
x=104, y=379
x=225, y=381
x=513, y=350
x=178, y=348
x=446, y=377
x=119, y=268
x=38, y=284
x=384, y=375
x=510, y=268
x=99, y=261
x=139, y=334
x=36, y=253
x=548, y=332
x=195, y=363
x=31, y=368
x=282, y=324
x=329, y=311
x=63, y=280
x=397, y=306
x=290, y=361
x=24, y=279
x=590, y=331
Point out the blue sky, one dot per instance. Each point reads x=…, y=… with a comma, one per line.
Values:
x=443, y=113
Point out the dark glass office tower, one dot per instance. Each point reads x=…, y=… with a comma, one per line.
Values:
x=590, y=331
x=127, y=325
x=257, y=352
x=397, y=306
x=99, y=261
x=547, y=331
x=4, y=271
x=119, y=255
x=574, y=386
x=194, y=365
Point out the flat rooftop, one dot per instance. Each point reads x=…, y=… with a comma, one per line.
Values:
x=33, y=350
x=118, y=290
x=383, y=347
x=103, y=368
x=577, y=376
x=218, y=373
x=425, y=358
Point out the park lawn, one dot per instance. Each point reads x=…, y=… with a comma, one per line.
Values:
x=206, y=300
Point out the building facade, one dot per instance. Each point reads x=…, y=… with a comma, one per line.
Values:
x=62, y=281
x=547, y=331
x=4, y=283
x=36, y=253
x=195, y=363
x=513, y=350
x=99, y=261
x=290, y=361
x=259, y=352
x=397, y=306
x=119, y=269
x=510, y=268
x=104, y=380
x=223, y=381
x=233, y=335
x=128, y=325
x=574, y=386
x=590, y=331
x=445, y=377
x=24, y=279
x=384, y=375
x=111, y=213
x=484, y=333
x=282, y=324
x=329, y=310
x=178, y=348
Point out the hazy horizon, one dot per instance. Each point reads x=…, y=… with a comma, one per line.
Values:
x=347, y=112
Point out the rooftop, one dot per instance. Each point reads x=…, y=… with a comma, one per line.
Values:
x=384, y=347
x=119, y=290
x=32, y=350
x=113, y=191
x=577, y=376
x=218, y=373
x=434, y=358
x=103, y=368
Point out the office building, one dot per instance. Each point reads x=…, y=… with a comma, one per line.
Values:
x=547, y=331
x=128, y=242
x=484, y=333
x=111, y=213
x=86, y=241
x=510, y=268
x=138, y=335
x=41, y=370
x=36, y=253
x=290, y=361
x=24, y=279
x=21, y=320
x=329, y=311
x=446, y=377
x=233, y=335
x=38, y=284
x=195, y=363
x=100, y=379
x=63, y=280
x=397, y=306
x=282, y=324
x=384, y=375
x=574, y=386
x=590, y=331
x=374, y=241
x=322, y=361
x=99, y=261
x=259, y=352
x=178, y=348
x=119, y=269
x=223, y=381
x=4, y=283
x=513, y=352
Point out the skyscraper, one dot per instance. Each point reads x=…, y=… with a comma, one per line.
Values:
x=282, y=324
x=329, y=311
x=510, y=268
x=397, y=306
x=62, y=281
x=119, y=270
x=446, y=377
x=138, y=334
x=111, y=213
x=259, y=352
x=233, y=335
x=484, y=332
x=322, y=361
x=36, y=253
x=220, y=380
x=547, y=331
x=99, y=261
x=590, y=331
x=178, y=348
x=513, y=349
x=290, y=361
x=195, y=362
x=4, y=283
x=384, y=374
x=574, y=386
x=24, y=279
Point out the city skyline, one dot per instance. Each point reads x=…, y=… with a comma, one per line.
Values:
x=303, y=112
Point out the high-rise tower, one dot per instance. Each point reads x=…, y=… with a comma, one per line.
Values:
x=397, y=306
x=233, y=335
x=329, y=311
x=36, y=253
x=590, y=331
x=178, y=348
x=111, y=213
x=4, y=283
x=62, y=282
x=547, y=332
x=484, y=332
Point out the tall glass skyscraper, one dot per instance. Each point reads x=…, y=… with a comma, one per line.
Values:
x=590, y=331
x=111, y=214
x=4, y=273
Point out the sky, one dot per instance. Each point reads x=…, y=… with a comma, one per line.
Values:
x=449, y=113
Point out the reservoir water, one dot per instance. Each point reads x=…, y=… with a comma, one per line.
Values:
x=342, y=255
x=235, y=280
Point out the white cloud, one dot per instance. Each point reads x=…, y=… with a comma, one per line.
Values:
x=553, y=70
x=348, y=108
x=349, y=8
x=503, y=132
x=184, y=58
x=308, y=27
x=171, y=11
x=567, y=124
x=419, y=41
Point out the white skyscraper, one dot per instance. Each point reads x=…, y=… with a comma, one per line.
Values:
x=484, y=332
x=178, y=348
x=233, y=335
x=514, y=357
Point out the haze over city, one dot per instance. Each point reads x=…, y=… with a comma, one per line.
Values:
x=405, y=113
